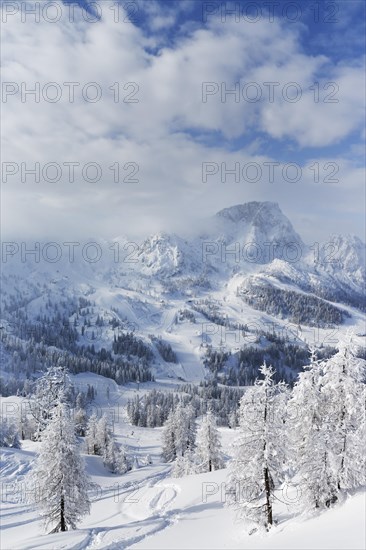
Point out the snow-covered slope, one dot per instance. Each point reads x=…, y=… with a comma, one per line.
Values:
x=148, y=509
x=169, y=286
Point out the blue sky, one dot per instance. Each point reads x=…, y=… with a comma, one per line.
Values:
x=169, y=50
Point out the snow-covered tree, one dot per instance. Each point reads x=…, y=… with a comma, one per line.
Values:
x=122, y=463
x=179, y=433
x=80, y=414
x=110, y=456
x=58, y=475
x=208, y=447
x=26, y=424
x=310, y=439
x=184, y=465
x=185, y=425
x=53, y=387
x=258, y=463
x=9, y=435
x=80, y=401
x=99, y=440
x=80, y=420
x=115, y=458
x=344, y=386
x=232, y=420
x=103, y=435
x=91, y=435
x=327, y=427
x=169, y=453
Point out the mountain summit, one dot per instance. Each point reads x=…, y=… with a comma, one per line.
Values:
x=252, y=212
x=261, y=223
x=266, y=217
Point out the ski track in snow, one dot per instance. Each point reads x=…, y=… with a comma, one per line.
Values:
x=155, y=507
x=137, y=511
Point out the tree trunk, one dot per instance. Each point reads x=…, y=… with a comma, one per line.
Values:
x=342, y=463
x=62, y=513
x=267, y=483
x=267, y=486
x=342, y=423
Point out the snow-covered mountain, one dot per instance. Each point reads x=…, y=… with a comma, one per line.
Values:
x=247, y=268
x=257, y=222
x=140, y=323
x=253, y=240
x=167, y=255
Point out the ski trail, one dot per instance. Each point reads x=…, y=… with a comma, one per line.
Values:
x=142, y=512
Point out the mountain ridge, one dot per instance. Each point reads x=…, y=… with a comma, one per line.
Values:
x=198, y=294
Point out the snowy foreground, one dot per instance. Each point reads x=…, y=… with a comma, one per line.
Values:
x=148, y=509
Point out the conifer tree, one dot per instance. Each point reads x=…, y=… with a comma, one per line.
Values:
x=259, y=458
x=179, y=433
x=169, y=453
x=208, y=452
x=310, y=439
x=327, y=427
x=58, y=475
x=344, y=387
x=91, y=435
x=9, y=435
x=54, y=386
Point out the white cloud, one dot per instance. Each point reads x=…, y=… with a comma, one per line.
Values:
x=155, y=132
x=324, y=119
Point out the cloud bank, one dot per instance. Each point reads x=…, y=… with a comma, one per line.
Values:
x=123, y=126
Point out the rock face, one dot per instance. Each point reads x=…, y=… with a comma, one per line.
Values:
x=262, y=229
x=253, y=212
x=344, y=255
